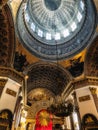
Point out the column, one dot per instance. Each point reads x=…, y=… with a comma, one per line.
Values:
x=76, y=114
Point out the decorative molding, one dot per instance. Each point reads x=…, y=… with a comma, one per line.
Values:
x=80, y=83
x=84, y=82
x=84, y=98
x=11, y=92
x=93, y=90
x=2, y=84
x=7, y=36
x=94, y=94
x=12, y=74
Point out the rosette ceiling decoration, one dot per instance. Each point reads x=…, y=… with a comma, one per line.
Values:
x=55, y=29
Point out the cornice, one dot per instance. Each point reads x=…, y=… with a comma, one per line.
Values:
x=12, y=74
x=80, y=83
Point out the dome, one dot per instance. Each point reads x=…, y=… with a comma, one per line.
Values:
x=52, y=29
x=54, y=21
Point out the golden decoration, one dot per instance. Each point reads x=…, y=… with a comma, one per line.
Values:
x=89, y=119
x=4, y=115
x=44, y=118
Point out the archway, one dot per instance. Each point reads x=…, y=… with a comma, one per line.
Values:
x=89, y=122
x=6, y=119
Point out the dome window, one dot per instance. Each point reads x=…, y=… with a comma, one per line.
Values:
x=66, y=33
x=48, y=36
x=33, y=26
x=57, y=36
x=40, y=33
x=73, y=26
x=79, y=16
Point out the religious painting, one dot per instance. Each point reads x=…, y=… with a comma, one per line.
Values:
x=5, y=120
x=43, y=120
x=90, y=122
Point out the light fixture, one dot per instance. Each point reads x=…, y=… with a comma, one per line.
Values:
x=60, y=107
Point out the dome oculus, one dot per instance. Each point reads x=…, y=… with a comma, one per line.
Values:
x=52, y=4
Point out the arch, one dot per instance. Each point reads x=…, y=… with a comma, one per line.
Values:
x=91, y=59
x=7, y=35
x=47, y=75
x=6, y=118
x=89, y=119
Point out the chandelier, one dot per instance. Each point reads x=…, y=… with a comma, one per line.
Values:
x=61, y=109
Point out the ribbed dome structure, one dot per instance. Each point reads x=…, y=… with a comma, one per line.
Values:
x=49, y=28
x=54, y=21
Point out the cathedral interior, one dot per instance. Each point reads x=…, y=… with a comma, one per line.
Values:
x=48, y=65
